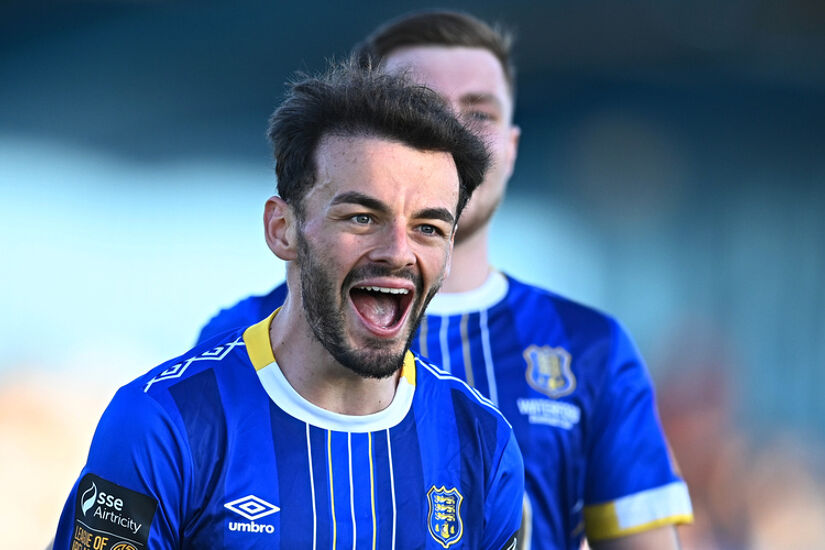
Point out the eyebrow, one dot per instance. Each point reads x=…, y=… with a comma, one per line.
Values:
x=354, y=197
x=436, y=214
x=478, y=98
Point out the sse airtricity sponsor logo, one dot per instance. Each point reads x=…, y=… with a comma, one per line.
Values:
x=252, y=508
x=113, y=513
x=107, y=507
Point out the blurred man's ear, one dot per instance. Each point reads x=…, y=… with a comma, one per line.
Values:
x=512, y=148
x=280, y=227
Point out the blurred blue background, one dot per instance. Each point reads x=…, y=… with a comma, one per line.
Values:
x=671, y=171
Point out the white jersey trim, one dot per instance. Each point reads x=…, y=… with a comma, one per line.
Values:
x=285, y=396
x=484, y=297
x=443, y=375
x=652, y=505
x=665, y=505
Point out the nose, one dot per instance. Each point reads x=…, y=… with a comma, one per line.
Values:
x=393, y=246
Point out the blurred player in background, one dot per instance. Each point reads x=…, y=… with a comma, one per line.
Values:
x=317, y=427
x=567, y=377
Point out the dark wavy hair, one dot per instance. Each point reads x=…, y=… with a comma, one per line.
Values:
x=351, y=100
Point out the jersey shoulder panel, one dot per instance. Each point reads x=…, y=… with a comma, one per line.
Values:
x=220, y=351
x=541, y=303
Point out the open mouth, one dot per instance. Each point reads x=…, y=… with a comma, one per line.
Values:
x=382, y=308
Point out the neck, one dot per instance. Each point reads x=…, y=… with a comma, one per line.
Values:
x=470, y=263
x=316, y=375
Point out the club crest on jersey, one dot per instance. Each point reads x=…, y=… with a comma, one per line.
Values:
x=444, y=516
x=548, y=370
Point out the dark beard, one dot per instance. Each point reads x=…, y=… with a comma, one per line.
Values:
x=325, y=316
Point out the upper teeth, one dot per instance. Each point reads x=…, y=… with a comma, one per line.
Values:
x=386, y=290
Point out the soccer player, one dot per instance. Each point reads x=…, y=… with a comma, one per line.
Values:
x=317, y=427
x=567, y=377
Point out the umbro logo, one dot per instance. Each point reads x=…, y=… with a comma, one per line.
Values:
x=252, y=507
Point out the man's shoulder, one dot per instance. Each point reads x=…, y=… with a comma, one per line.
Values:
x=245, y=312
x=154, y=402
x=528, y=300
x=221, y=351
x=261, y=303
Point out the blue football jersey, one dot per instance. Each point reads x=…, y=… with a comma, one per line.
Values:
x=575, y=389
x=215, y=449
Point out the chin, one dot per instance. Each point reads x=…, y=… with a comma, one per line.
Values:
x=373, y=364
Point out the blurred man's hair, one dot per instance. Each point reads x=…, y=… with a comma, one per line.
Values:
x=438, y=28
x=350, y=100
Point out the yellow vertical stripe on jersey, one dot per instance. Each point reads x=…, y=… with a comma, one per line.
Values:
x=331, y=488
x=257, y=343
x=465, y=348
x=372, y=489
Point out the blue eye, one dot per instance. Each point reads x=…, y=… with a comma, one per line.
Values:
x=428, y=229
x=362, y=219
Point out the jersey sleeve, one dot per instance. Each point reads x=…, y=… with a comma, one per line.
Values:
x=132, y=488
x=503, y=508
x=631, y=484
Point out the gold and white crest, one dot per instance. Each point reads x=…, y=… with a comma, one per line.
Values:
x=548, y=370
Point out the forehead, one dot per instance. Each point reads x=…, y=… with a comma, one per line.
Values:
x=452, y=71
x=387, y=170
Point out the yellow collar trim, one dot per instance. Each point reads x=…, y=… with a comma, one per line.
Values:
x=259, y=348
x=257, y=342
x=408, y=368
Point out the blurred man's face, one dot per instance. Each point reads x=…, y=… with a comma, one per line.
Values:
x=472, y=81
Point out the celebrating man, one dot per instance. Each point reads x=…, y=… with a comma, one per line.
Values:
x=317, y=427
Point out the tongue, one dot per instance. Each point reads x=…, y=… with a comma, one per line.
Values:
x=379, y=309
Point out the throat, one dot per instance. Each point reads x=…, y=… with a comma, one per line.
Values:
x=355, y=395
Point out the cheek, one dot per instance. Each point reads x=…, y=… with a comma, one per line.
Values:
x=331, y=253
x=434, y=263
x=346, y=253
x=325, y=239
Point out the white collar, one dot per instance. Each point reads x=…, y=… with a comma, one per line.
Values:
x=256, y=338
x=285, y=396
x=486, y=296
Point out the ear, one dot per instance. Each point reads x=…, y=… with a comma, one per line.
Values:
x=280, y=226
x=448, y=266
x=512, y=148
